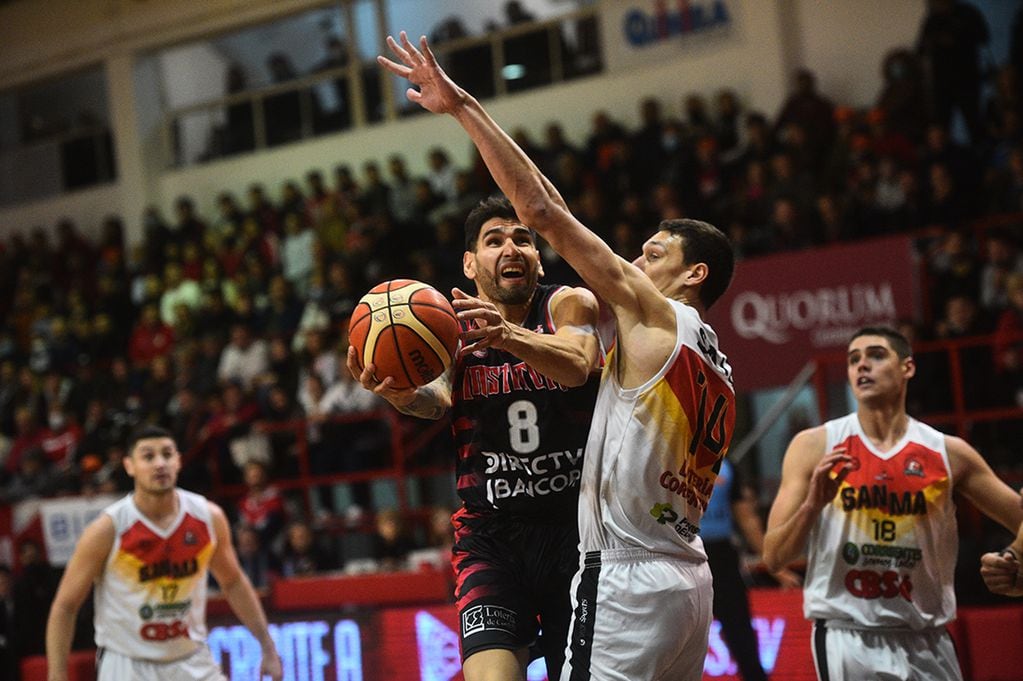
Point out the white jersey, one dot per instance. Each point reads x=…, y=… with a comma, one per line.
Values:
x=150, y=601
x=883, y=553
x=653, y=451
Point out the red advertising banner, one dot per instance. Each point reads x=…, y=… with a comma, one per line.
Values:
x=783, y=309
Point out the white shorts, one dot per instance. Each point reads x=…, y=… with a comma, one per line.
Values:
x=638, y=616
x=842, y=654
x=199, y=666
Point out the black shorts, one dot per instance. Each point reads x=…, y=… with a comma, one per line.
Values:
x=513, y=577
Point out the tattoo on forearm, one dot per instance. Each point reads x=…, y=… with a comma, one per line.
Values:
x=426, y=405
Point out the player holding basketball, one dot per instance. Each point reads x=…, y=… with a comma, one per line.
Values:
x=869, y=498
x=662, y=422
x=148, y=556
x=521, y=394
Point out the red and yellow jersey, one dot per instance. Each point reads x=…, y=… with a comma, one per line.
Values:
x=150, y=601
x=883, y=552
x=654, y=451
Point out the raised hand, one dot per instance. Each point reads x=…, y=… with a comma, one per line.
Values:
x=488, y=328
x=827, y=478
x=437, y=92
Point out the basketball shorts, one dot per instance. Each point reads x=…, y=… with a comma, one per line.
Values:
x=843, y=654
x=199, y=666
x=639, y=616
x=512, y=579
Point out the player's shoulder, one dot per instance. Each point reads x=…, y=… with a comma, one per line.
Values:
x=810, y=441
x=98, y=534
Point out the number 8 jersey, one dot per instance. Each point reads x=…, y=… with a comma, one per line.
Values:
x=520, y=435
x=150, y=600
x=882, y=553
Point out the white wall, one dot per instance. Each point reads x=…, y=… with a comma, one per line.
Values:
x=87, y=207
x=845, y=41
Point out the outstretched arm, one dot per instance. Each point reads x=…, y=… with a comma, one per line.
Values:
x=807, y=486
x=240, y=595
x=536, y=201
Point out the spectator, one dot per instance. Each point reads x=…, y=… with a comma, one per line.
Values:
x=257, y=561
x=151, y=338
x=298, y=252
x=332, y=103
x=177, y=289
x=244, y=358
x=1008, y=344
x=282, y=111
x=809, y=110
x=950, y=42
x=442, y=173
x=391, y=541
x=262, y=508
x=302, y=555
x=1003, y=259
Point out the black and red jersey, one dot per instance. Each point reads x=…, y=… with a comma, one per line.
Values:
x=520, y=435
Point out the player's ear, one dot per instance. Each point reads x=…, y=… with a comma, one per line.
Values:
x=129, y=465
x=539, y=269
x=469, y=265
x=909, y=367
x=697, y=274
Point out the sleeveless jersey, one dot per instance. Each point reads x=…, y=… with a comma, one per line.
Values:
x=520, y=435
x=150, y=601
x=654, y=451
x=882, y=554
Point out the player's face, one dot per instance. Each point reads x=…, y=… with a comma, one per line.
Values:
x=875, y=370
x=154, y=463
x=664, y=262
x=506, y=264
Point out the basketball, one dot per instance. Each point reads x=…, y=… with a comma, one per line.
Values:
x=406, y=328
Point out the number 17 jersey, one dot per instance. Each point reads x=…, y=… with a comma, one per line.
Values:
x=520, y=435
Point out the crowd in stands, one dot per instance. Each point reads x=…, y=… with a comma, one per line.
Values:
x=226, y=326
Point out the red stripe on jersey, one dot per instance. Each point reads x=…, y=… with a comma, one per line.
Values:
x=914, y=468
x=185, y=543
x=717, y=397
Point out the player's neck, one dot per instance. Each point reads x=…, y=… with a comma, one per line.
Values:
x=160, y=508
x=884, y=425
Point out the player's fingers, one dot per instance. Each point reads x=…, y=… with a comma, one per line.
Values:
x=394, y=67
x=427, y=52
x=411, y=49
x=384, y=386
x=399, y=50
x=459, y=294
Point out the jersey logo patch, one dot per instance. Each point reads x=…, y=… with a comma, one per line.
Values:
x=914, y=467
x=488, y=618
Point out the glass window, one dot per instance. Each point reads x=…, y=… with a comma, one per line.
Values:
x=55, y=137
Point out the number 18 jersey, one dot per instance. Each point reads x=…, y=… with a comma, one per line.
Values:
x=520, y=435
x=882, y=553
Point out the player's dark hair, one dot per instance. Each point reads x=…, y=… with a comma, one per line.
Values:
x=703, y=242
x=145, y=432
x=495, y=206
x=900, y=344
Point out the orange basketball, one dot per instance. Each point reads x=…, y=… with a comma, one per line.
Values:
x=406, y=328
